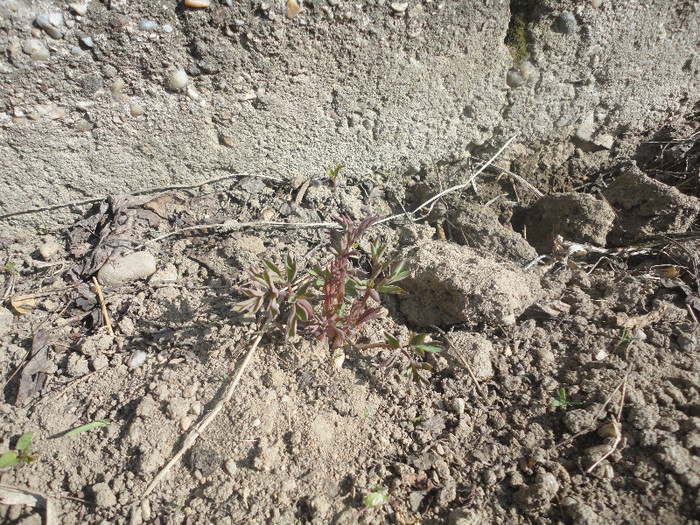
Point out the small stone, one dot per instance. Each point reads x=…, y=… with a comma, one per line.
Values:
x=458, y=405
x=104, y=497
x=167, y=28
x=50, y=23
x=566, y=23
x=292, y=8
x=148, y=25
x=176, y=80
x=595, y=4
x=514, y=79
x=135, y=109
x=231, y=467
x=197, y=3
x=527, y=69
x=87, y=42
x=78, y=9
x=138, y=265
x=137, y=359
x=186, y=423
x=399, y=7
x=36, y=49
x=49, y=249
x=146, y=510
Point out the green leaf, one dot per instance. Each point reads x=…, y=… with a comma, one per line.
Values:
x=375, y=499
x=9, y=459
x=25, y=441
x=416, y=339
x=291, y=267
x=390, y=288
x=430, y=347
x=276, y=271
x=85, y=428
x=391, y=340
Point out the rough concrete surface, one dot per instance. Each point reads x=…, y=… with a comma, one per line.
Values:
x=91, y=105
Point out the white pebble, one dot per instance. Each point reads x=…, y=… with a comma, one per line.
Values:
x=148, y=25
x=49, y=249
x=176, y=80
x=167, y=28
x=132, y=267
x=197, y=3
x=136, y=110
x=36, y=49
x=137, y=359
x=256, y=423
x=514, y=78
x=186, y=423
x=595, y=4
x=78, y=9
x=526, y=69
x=50, y=23
x=231, y=467
x=87, y=42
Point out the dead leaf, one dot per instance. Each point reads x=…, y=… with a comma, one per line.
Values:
x=22, y=303
x=34, y=373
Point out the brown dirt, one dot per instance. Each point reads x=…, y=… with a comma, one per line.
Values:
x=303, y=442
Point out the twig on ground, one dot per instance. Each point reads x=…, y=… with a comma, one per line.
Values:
x=108, y=324
x=93, y=200
x=191, y=438
x=453, y=188
x=233, y=225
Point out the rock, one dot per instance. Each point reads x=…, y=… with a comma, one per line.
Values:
x=399, y=7
x=577, y=217
x=50, y=22
x=137, y=359
x=6, y=319
x=49, y=249
x=478, y=226
x=148, y=25
x=451, y=284
x=78, y=9
x=514, y=78
x=104, y=497
x=138, y=265
x=478, y=352
x=646, y=206
x=566, y=23
x=197, y=3
x=135, y=109
x=36, y=49
x=536, y=498
x=595, y=4
x=176, y=80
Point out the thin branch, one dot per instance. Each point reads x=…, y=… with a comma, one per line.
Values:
x=108, y=324
x=191, y=438
x=93, y=200
x=453, y=188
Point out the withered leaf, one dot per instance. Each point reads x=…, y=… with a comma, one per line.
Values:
x=34, y=374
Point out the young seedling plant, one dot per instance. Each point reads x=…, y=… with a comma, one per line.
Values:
x=21, y=453
x=330, y=302
x=334, y=301
x=562, y=401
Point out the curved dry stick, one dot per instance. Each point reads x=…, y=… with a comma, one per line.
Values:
x=197, y=431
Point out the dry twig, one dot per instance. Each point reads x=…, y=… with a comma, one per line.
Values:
x=108, y=324
x=191, y=438
x=462, y=360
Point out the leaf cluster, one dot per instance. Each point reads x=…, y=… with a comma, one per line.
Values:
x=21, y=453
x=333, y=301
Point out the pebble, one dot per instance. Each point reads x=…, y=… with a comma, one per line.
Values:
x=458, y=405
x=138, y=265
x=135, y=109
x=566, y=22
x=78, y=9
x=49, y=249
x=399, y=7
x=137, y=359
x=167, y=28
x=527, y=69
x=197, y=3
x=176, y=80
x=50, y=23
x=146, y=510
x=186, y=423
x=231, y=467
x=514, y=79
x=104, y=497
x=36, y=49
x=595, y=4
x=87, y=42
x=148, y=25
